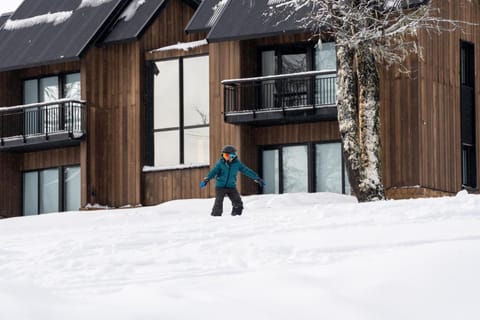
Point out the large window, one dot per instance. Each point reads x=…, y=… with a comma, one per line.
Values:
x=48, y=89
x=181, y=111
x=312, y=167
x=296, y=59
x=51, y=190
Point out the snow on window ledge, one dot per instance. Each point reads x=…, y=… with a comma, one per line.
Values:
x=185, y=46
x=176, y=167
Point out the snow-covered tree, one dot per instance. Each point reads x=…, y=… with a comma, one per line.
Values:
x=368, y=33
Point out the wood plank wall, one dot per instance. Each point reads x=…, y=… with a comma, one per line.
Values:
x=166, y=185
x=10, y=185
x=112, y=154
x=439, y=96
x=400, y=125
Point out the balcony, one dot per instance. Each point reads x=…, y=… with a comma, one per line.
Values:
x=46, y=125
x=278, y=99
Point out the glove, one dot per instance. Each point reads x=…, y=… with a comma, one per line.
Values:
x=260, y=182
x=203, y=184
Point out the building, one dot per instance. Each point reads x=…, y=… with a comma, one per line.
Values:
x=73, y=88
x=112, y=103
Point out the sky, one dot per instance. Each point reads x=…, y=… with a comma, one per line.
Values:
x=9, y=5
x=292, y=256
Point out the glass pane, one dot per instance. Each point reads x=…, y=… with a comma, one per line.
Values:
x=348, y=189
x=72, y=112
x=268, y=63
x=295, y=169
x=326, y=87
x=30, y=95
x=271, y=174
x=325, y=56
x=166, y=95
x=51, y=114
x=268, y=87
x=30, y=91
x=328, y=167
x=293, y=63
x=72, y=86
x=196, y=91
x=167, y=148
x=72, y=188
x=197, y=146
x=30, y=193
x=49, y=196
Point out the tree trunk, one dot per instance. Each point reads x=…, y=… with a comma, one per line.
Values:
x=371, y=185
x=347, y=103
x=358, y=118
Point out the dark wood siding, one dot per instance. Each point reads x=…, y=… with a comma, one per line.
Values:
x=10, y=185
x=439, y=96
x=399, y=111
x=161, y=186
x=112, y=155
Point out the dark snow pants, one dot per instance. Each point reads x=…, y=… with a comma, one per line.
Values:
x=232, y=193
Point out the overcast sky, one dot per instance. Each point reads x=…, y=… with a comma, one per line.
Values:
x=9, y=5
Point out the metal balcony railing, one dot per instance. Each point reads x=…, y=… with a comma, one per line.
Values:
x=313, y=89
x=42, y=120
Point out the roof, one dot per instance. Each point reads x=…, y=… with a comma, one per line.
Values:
x=4, y=17
x=52, y=31
x=204, y=15
x=243, y=19
x=134, y=19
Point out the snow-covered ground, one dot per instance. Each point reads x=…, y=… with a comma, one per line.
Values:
x=296, y=256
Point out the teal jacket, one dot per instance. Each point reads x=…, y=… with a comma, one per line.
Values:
x=226, y=173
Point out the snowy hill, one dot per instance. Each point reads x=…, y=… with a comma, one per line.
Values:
x=296, y=256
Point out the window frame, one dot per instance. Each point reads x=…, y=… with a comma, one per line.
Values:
x=61, y=77
x=61, y=84
x=311, y=163
x=152, y=71
x=468, y=128
x=61, y=187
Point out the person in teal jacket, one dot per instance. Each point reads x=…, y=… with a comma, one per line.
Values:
x=225, y=171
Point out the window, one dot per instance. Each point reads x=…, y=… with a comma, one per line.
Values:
x=312, y=167
x=48, y=89
x=325, y=85
x=298, y=90
x=51, y=190
x=181, y=111
x=467, y=102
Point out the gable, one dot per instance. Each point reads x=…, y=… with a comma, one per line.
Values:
x=53, y=31
x=134, y=19
x=235, y=20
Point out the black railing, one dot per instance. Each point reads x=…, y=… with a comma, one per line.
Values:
x=314, y=89
x=42, y=119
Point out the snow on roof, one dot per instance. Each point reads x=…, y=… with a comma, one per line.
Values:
x=92, y=3
x=57, y=18
x=132, y=8
x=217, y=12
x=54, y=18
